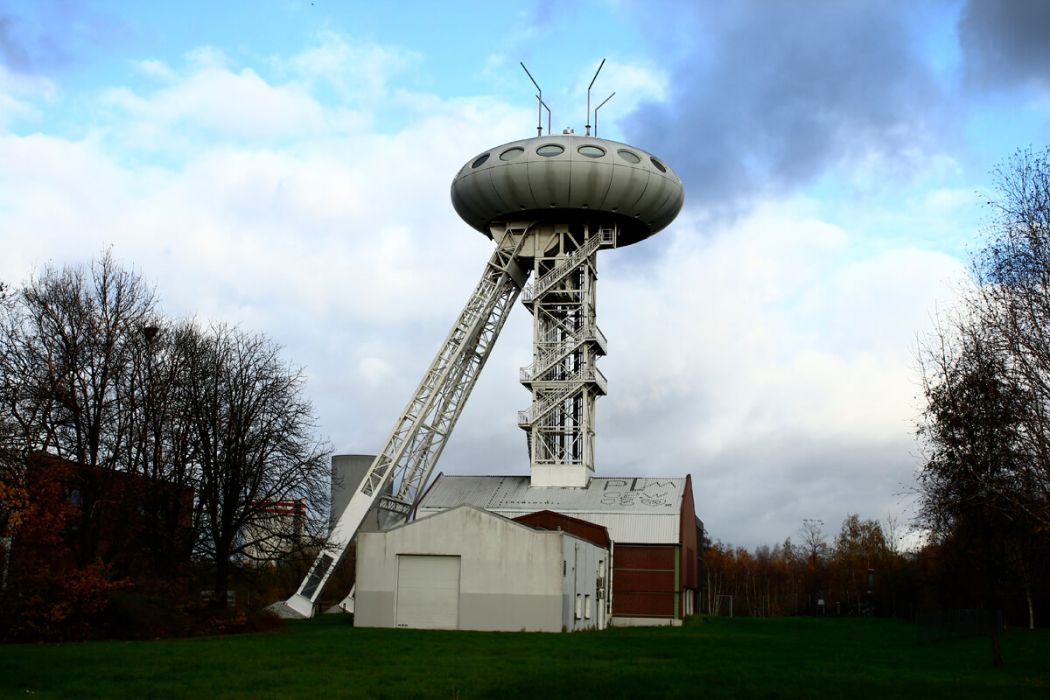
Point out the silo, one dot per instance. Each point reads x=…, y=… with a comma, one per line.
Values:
x=347, y=473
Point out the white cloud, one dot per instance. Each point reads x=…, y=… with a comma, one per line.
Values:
x=226, y=104
x=358, y=71
x=375, y=371
x=206, y=57
x=153, y=68
x=19, y=94
x=948, y=199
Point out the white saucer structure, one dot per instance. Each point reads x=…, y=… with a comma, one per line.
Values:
x=566, y=178
x=549, y=203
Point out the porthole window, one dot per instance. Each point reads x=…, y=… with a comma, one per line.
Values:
x=629, y=156
x=659, y=166
x=551, y=149
x=479, y=160
x=511, y=153
x=591, y=151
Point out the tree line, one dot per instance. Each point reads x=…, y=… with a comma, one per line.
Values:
x=206, y=426
x=860, y=572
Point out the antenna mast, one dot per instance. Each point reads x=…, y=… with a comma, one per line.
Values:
x=596, y=113
x=540, y=104
x=544, y=104
x=588, y=127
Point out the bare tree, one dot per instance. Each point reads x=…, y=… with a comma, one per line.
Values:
x=815, y=549
x=160, y=439
x=205, y=431
x=974, y=462
x=10, y=445
x=814, y=540
x=1014, y=303
x=892, y=528
x=85, y=324
x=254, y=444
x=973, y=426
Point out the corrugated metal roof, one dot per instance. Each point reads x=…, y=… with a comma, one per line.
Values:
x=635, y=510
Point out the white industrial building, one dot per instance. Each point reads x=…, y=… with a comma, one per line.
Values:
x=654, y=530
x=466, y=568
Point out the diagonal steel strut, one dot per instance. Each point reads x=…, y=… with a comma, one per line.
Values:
x=422, y=430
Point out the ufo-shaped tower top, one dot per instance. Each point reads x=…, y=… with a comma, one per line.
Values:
x=566, y=178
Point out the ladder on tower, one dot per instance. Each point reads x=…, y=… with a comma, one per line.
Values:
x=422, y=430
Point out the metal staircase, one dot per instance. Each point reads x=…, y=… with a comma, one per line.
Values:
x=565, y=388
x=550, y=354
x=604, y=237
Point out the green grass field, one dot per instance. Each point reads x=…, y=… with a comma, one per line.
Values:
x=718, y=658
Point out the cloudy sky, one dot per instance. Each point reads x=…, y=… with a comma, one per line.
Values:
x=285, y=166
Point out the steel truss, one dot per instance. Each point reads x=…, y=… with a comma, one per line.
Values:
x=422, y=430
x=563, y=376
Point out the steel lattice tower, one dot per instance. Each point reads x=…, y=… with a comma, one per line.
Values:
x=579, y=194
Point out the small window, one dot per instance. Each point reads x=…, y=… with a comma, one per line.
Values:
x=480, y=160
x=579, y=606
x=587, y=606
x=511, y=153
x=629, y=156
x=659, y=166
x=591, y=151
x=549, y=150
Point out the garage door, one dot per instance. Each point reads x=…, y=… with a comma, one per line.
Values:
x=427, y=591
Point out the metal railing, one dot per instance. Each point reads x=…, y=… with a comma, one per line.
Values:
x=549, y=356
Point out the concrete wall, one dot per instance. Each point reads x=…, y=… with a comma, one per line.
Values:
x=511, y=577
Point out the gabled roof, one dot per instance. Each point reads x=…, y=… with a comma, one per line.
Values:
x=634, y=509
x=585, y=532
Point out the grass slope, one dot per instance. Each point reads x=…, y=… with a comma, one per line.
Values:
x=741, y=658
